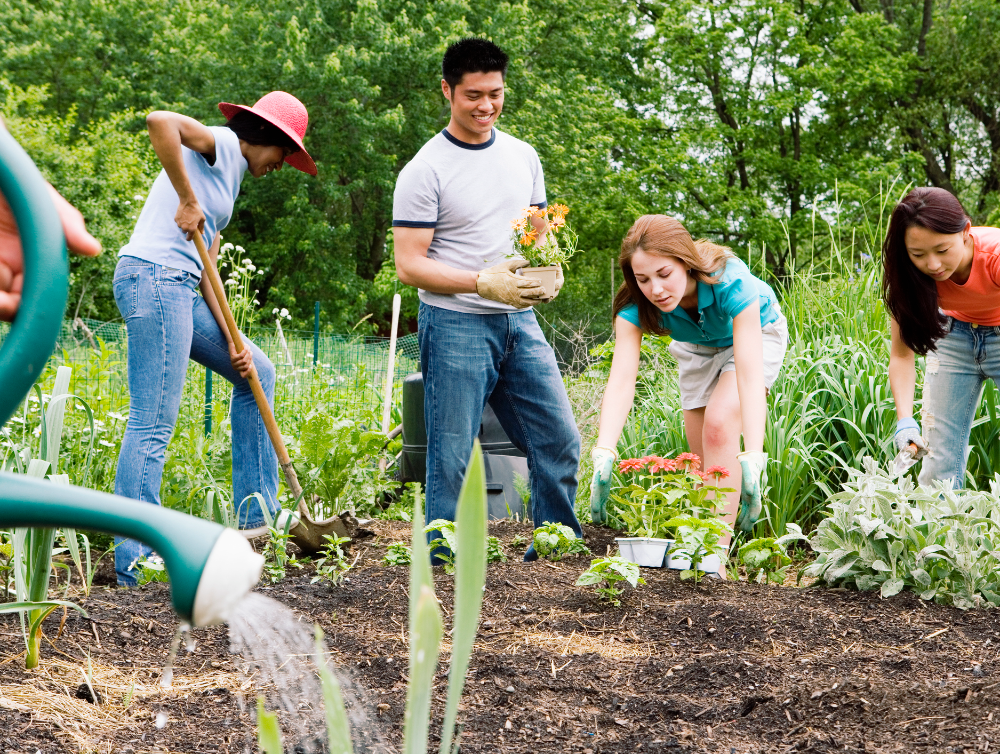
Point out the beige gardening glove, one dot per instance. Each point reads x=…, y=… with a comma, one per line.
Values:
x=499, y=283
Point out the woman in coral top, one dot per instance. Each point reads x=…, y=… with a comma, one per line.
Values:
x=942, y=288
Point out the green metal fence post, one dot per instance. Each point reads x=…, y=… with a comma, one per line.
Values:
x=316, y=334
x=208, y=402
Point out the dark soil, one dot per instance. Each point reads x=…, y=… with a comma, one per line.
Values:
x=717, y=667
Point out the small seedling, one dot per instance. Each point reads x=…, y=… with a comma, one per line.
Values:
x=397, y=554
x=444, y=546
x=610, y=572
x=553, y=541
x=151, y=570
x=519, y=542
x=765, y=558
x=332, y=564
x=494, y=551
x=698, y=539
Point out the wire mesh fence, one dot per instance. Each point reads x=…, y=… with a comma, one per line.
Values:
x=342, y=373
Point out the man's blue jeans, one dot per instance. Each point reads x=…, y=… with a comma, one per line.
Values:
x=168, y=323
x=469, y=359
x=953, y=379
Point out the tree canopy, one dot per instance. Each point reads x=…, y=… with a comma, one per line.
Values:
x=758, y=122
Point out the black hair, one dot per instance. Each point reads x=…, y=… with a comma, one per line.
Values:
x=472, y=55
x=253, y=129
x=911, y=296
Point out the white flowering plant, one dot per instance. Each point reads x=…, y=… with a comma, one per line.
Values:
x=240, y=279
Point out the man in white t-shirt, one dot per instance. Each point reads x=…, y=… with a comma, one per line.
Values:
x=479, y=339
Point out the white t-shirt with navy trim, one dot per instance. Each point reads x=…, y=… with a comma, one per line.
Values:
x=469, y=194
x=156, y=237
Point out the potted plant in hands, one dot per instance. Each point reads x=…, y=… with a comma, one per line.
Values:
x=545, y=259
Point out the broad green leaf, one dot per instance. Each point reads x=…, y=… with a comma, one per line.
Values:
x=338, y=729
x=892, y=587
x=268, y=730
x=470, y=575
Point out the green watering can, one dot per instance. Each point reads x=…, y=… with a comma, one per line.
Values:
x=211, y=567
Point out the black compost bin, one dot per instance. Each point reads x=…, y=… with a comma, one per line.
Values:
x=502, y=459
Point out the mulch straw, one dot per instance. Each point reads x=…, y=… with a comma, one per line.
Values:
x=609, y=647
x=50, y=696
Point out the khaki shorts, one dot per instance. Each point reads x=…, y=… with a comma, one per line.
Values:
x=699, y=367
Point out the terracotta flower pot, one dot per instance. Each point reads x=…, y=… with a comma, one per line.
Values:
x=547, y=276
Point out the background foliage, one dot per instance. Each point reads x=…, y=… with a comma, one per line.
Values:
x=756, y=122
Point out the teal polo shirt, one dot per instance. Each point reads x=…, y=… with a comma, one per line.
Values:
x=717, y=305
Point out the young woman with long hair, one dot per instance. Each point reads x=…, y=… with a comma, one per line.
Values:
x=729, y=339
x=156, y=287
x=942, y=289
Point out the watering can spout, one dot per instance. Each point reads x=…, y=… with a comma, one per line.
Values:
x=211, y=568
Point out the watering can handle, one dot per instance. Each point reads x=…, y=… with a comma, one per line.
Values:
x=215, y=280
x=36, y=327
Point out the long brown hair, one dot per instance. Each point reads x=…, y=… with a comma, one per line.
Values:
x=664, y=235
x=911, y=296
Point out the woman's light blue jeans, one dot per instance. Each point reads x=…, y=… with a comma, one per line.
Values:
x=469, y=359
x=953, y=381
x=168, y=323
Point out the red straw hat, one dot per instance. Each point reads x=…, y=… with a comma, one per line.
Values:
x=287, y=113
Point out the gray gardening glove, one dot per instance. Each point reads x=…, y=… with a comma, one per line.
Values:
x=499, y=283
x=600, y=484
x=907, y=435
x=752, y=464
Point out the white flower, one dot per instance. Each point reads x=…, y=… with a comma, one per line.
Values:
x=139, y=198
x=284, y=313
x=231, y=281
x=274, y=310
x=227, y=246
x=117, y=417
x=247, y=262
x=105, y=443
x=240, y=249
x=127, y=201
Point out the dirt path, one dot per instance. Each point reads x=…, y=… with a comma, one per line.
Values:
x=722, y=667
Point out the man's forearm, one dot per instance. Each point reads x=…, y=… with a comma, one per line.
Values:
x=436, y=277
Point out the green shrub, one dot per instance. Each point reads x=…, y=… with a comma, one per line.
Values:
x=886, y=534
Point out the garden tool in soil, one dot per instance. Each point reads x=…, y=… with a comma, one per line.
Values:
x=499, y=283
x=305, y=533
x=600, y=483
x=211, y=568
x=752, y=463
x=909, y=443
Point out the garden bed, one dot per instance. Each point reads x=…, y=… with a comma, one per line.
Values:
x=718, y=667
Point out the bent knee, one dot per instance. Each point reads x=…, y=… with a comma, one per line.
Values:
x=265, y=370
x=719, y=433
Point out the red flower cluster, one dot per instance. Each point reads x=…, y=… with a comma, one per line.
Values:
x=657, y=464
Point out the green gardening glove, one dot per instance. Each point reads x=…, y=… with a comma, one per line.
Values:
x=752, y=463
x=600, y=484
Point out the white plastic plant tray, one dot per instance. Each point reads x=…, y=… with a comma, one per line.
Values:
x=648, y=552
x=710, y=564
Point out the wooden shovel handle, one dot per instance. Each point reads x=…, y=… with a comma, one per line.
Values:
x=215, y=280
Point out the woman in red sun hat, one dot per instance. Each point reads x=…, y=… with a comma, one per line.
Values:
x=156, y=287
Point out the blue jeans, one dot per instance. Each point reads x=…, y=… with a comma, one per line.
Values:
x=168, y=323
x=469, y=359
x=953, y=380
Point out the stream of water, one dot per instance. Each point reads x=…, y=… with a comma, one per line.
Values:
x=278, y=651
